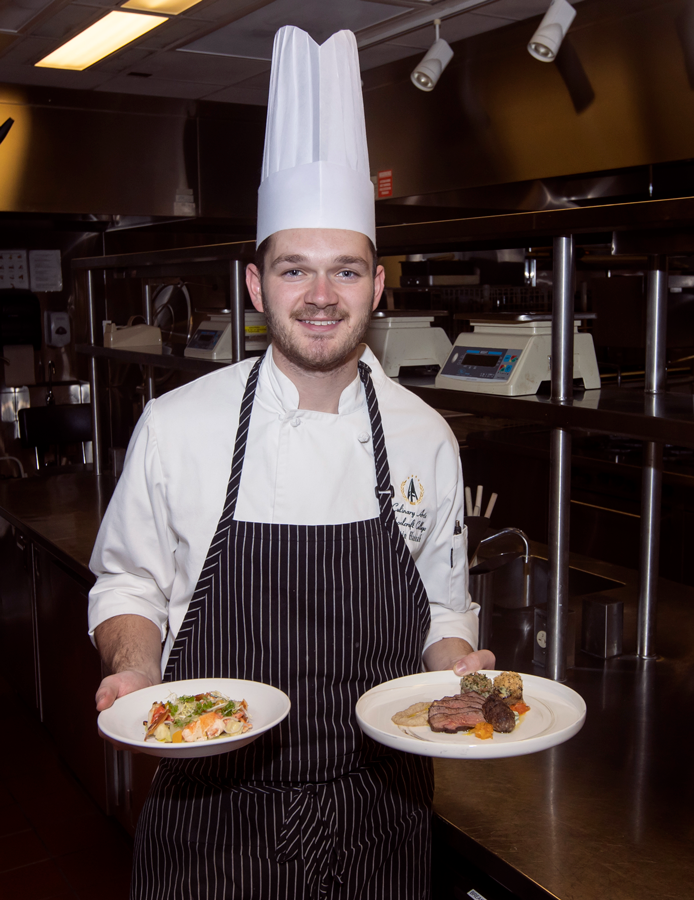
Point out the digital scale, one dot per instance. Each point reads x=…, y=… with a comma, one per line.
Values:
x=212, y=338
x=509, y=354
x=404, y=337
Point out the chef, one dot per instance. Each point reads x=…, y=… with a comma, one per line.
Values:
x=294, y=520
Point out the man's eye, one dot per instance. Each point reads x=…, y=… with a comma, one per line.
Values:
x=293, y=272
x=347, y=273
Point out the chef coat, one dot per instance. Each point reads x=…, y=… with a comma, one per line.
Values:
x=302, y=467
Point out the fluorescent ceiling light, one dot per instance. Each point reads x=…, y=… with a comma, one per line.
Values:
x=170, y=7
x=102, y=38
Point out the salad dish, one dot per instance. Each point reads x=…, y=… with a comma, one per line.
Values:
x=154, y=719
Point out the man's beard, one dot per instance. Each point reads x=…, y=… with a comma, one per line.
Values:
x=321, y=354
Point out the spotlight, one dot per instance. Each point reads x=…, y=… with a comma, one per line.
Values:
x=545, y=43
x=429, y=70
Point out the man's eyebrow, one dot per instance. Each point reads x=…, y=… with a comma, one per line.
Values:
x=289, y=258
x=351, y=261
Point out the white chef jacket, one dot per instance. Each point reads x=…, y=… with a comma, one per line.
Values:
x=301, y=467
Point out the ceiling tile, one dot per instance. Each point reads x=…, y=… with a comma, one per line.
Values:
x=28, y=50
x=236, y=94
x=170, y=33
x=156, y=87
x=14, y=16
x=220, y=70
x=382, y=54
x=68, y=20
x=519, y=9
x=119, y=62
x=252, y=36
x=57, y=78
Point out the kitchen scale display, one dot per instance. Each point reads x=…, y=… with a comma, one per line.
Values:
x=484, y=362
x=511, y=354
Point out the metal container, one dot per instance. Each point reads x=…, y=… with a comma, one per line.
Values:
x=602, y=626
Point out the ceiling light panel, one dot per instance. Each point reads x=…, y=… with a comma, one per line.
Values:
x=104, y=37
x=170, y=7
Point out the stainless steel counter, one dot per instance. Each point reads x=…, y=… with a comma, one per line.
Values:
x=608, y=814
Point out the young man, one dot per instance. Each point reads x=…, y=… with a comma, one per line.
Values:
x=292, y=520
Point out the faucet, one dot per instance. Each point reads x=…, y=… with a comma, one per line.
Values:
x=521, y=534
x=50, y=399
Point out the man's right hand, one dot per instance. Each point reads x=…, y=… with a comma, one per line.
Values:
x=115, y=686
x=130, y=647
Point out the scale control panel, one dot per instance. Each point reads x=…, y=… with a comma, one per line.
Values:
x=205, y=339
x=481, y=363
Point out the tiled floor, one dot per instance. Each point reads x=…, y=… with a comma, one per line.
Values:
x=55, y=843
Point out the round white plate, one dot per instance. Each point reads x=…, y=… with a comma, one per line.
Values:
x=122, y=724
x=556, y=714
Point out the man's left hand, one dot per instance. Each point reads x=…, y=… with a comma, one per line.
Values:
x=457, y=654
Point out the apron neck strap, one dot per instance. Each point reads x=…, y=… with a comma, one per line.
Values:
x=384, y=489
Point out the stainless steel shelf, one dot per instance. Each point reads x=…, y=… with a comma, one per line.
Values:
x=668, y=418
x=157, y=361
x=651, y=226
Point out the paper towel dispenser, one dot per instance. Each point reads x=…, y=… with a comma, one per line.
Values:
x=20, y=318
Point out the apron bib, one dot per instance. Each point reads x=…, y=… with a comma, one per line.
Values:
x=313, y=806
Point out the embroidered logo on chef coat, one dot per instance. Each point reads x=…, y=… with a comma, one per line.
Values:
x=412, y=490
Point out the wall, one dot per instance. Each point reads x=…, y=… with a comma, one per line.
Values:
x=498, y=115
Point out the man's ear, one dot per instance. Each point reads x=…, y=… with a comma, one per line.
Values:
x=379, y=284
x=253, y=283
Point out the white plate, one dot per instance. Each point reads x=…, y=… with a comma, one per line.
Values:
x=122, y=724
x=556, y=714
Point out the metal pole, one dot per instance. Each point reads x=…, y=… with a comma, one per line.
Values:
x=237, y=279
x=652, y=473
x=93, y=378
x=560, y=458
x=149, y=370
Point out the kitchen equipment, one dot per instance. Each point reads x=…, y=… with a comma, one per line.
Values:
x=212, y=338
x=510, y=354
x=404, y=337
x=602, y=625
x=540, y=635
x=143, y=338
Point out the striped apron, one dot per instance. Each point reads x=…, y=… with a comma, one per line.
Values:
x=313, y=808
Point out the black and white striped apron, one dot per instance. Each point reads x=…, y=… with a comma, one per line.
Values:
x=313, y=808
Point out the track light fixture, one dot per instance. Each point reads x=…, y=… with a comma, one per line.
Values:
x=437, y=57
x=545, y=43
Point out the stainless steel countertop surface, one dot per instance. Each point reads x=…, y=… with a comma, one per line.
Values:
x=607, y=814
x=610, y=812
x=62, y=513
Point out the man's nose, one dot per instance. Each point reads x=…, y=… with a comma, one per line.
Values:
x=321, y=292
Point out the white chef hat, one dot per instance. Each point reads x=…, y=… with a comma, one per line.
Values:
x=316, y=162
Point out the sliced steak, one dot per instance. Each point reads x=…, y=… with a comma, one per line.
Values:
x=458, y=713
x=498, y=714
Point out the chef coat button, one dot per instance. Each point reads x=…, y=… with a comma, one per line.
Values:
x=364, y=436
x=296, y=422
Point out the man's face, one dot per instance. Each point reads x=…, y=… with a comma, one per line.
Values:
x=317, y=293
